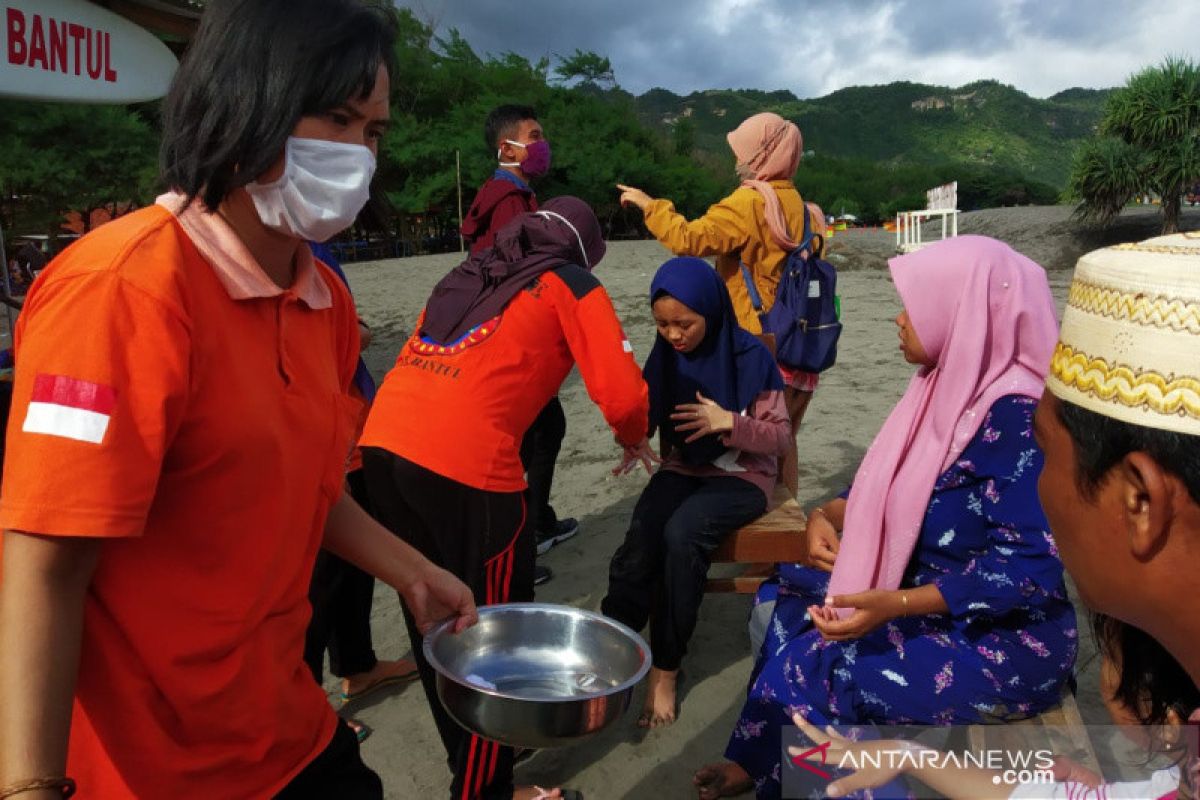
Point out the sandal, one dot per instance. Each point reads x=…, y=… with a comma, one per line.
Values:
x=390, y=680
x=361, y=729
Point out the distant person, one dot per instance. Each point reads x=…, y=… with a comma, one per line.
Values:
x=30, y=260
x=441, y=447
x=524, y=155
x=759, y=224
x=341, y=594
x=716, y=399
x=177, y=446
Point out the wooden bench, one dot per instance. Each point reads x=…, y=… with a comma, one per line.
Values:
x=777, y=536
x=1059, y=730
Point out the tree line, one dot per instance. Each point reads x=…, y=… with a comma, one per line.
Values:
x=57, y=158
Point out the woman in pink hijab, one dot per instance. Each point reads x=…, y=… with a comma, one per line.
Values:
x=933, y=593
x=758, y=224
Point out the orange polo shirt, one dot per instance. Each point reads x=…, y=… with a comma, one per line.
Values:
x=461, y=410
x=173, y=401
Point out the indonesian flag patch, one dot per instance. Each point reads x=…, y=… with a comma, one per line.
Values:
x=70, y=408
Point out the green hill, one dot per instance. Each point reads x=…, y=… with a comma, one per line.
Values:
x=985, y=124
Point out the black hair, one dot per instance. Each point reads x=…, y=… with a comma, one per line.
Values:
x=502, y=121
x=253, y=70
x=1101, y=442
x=1152, y=683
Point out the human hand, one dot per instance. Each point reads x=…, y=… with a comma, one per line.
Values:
x=1069, y=770
x=823, y=541
x=364, y=336
x=832, y=748
x=436, y=595
x=634, y=197
x=872, y=608
x=703, y=417
x=641, y=453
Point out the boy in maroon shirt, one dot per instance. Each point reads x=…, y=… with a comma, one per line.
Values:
x=522, y=153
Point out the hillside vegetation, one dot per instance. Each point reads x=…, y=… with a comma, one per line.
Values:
x=986, y=124
x=870, y=150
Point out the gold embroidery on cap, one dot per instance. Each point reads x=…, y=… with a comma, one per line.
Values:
x=1157, y=311
x=1165, y=249
x=1136, y=389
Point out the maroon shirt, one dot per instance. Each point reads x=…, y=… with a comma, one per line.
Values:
x=497, y=202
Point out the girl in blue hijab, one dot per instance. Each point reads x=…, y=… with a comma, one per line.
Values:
x=716, y=399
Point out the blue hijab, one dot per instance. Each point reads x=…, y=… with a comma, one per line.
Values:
x=362, y=376
x=730, y=366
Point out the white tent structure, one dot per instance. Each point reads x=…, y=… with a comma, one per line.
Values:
x=941, y=203
x=77, y=51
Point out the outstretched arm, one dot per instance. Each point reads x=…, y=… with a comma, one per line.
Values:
x=722, y=229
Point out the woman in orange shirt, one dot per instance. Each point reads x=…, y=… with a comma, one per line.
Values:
x=178, y=439
x=441, y=448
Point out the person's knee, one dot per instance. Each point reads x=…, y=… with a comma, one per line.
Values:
x=632, y=557
x=760, y=620
x=683, y=535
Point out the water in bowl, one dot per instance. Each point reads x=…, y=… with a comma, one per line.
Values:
x=558, y=685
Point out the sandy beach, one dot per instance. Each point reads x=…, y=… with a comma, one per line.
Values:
x=848, y=408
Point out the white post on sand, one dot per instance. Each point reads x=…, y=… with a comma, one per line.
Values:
x=458, y=180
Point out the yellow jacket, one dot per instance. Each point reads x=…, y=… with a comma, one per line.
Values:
x=734, y=228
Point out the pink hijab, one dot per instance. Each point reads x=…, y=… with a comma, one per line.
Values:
x=986, y=317
x=771, y=146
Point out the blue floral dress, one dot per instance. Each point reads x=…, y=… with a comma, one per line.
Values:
x=1003, y=651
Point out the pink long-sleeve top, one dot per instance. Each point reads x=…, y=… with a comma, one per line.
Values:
x=758, y=440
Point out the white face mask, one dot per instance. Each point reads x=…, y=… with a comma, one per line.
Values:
x=323, y=187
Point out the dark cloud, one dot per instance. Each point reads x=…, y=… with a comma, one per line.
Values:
x=814, y=48
x=939, y=26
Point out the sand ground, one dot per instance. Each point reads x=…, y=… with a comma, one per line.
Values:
x=853, y=399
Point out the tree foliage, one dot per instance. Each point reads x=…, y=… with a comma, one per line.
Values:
x=56, y=158
x=59, y=158
x=446, y=92
x=1148, y=143
x=588, y=68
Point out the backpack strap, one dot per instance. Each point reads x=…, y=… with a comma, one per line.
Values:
x=755, y=297
x=807, y=242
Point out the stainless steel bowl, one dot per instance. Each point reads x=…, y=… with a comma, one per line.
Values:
x=537, y=675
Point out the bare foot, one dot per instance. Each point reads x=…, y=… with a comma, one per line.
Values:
x=535, y=793
x=659, y=711
x=721, y=780
x=384, y=673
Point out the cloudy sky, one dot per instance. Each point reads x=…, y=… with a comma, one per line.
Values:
x=1039, y=46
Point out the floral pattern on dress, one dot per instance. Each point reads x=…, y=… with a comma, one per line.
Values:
x=1004, y=649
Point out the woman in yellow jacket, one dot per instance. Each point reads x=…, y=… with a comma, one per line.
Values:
x=753, y=225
